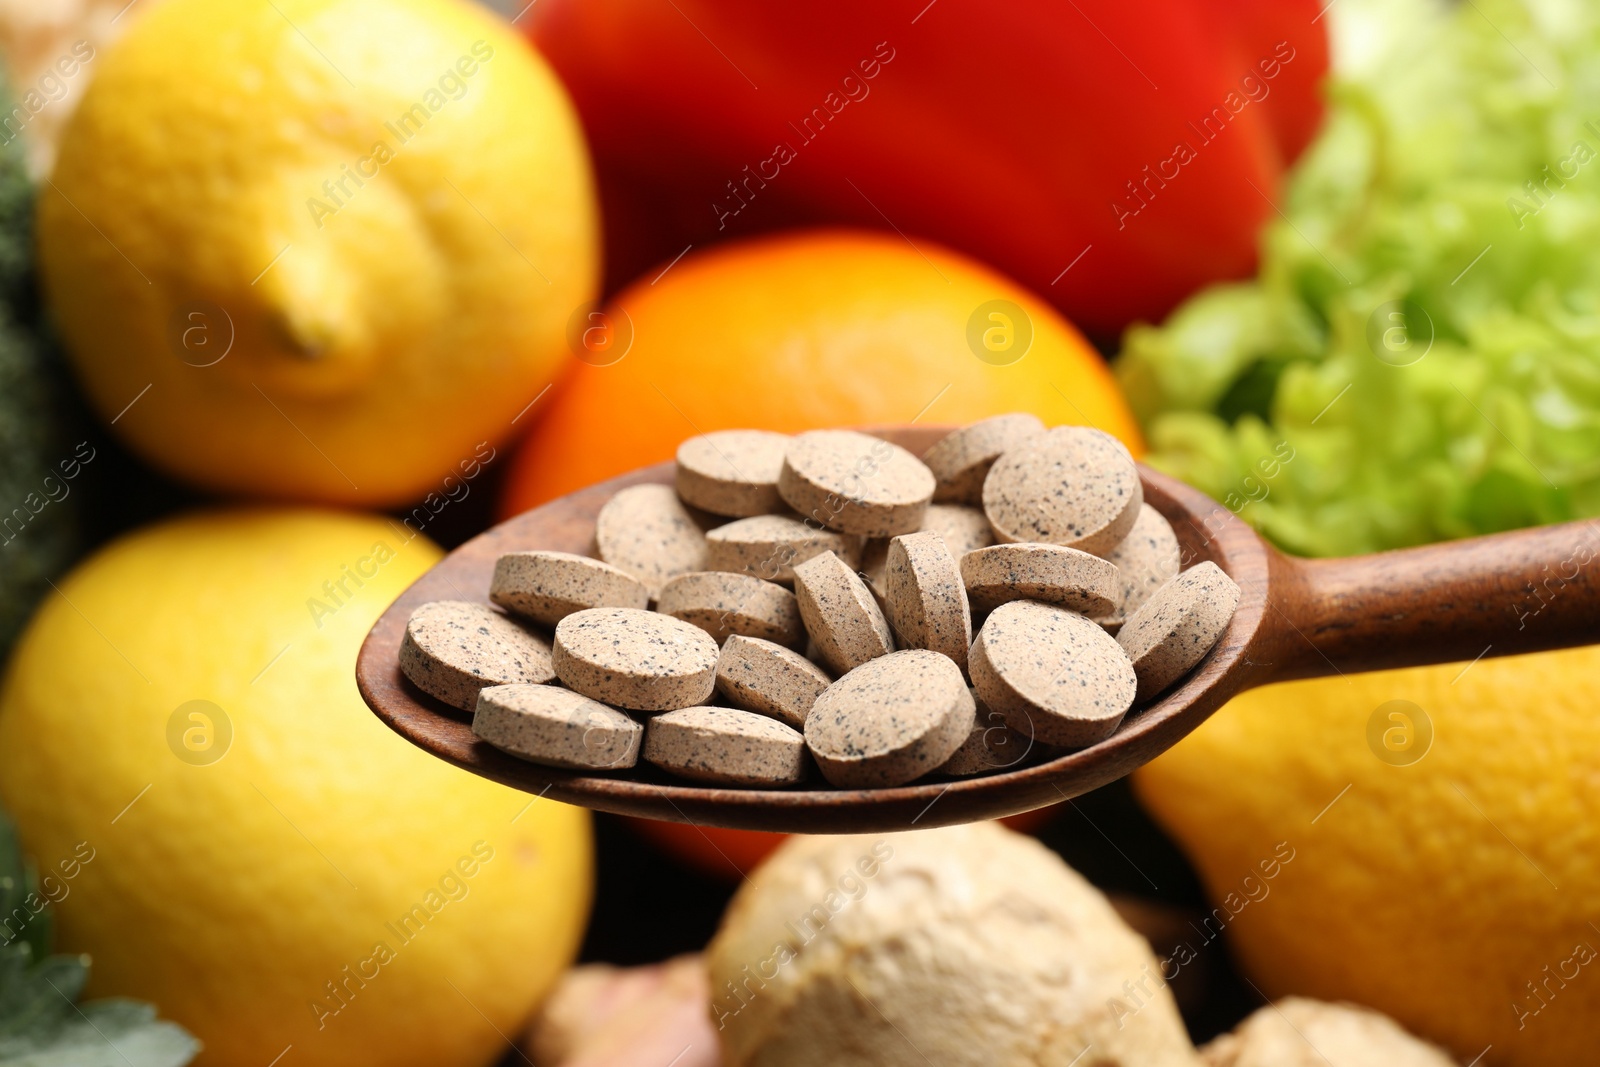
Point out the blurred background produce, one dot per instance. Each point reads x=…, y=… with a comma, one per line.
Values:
x=870, y=949
x=1424, y=332
x=874, y=949
x=1414, y=360
x=1013, y=133
x=42, y=1021
x=1448, y=882
x=47, y=44
x=1451, y=885
x=43, y=431
x=804, y=330
x=371, y=247
x=272, y=866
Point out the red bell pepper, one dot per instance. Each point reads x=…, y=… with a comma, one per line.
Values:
x=1113, y=155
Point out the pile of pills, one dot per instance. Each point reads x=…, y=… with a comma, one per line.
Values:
x=828, y=604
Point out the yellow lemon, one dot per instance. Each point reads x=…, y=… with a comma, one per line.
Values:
x=1442, y=829
x=250, y=848
x=318, y=249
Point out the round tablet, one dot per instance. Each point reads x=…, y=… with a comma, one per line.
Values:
x=1176, y=627
x=963, y=529
x=771, y=546
x=961, y=459
x=769, y=679
x=855, y=483
x=840, y=613
x=641, y=660
x=1052, y=674
x=732, y=472
x=924, y=599
x=646, y=531
x=723, y=603
x=890, y=721
x=556, y=727
x=1052, y=574
x=548, y=586
x=725, y=746
x=1146, y=560
x=453, y=648
x=1072, y=486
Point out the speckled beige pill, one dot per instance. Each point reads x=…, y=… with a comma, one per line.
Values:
x=964, y=530
x=646, y=531
x=1146, y=559
x=1052, y=674
x=769, y=679
x=891, y=720
x=961, y=459
x=925, y=601
x=1176, y=627
x=723, y=603
x=725, y=746
x=549, y=586
x=453, y=648
x=641, y=660
x=1072, y=486
x=1051, y=574
x=855, y=483
x=556, y=727
x=771, y=546
x=732, y=472
x=840, y=613
x=992, y=746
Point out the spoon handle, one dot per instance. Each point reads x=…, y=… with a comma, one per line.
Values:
x=1523, y=591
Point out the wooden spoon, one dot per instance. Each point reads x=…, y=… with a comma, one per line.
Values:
x=1524, y=591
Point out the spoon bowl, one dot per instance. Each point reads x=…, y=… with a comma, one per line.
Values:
x=1524, y=591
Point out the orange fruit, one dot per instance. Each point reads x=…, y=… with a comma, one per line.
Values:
x=802, y=330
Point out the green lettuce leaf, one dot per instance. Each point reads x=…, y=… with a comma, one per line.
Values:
x=1423, y=338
